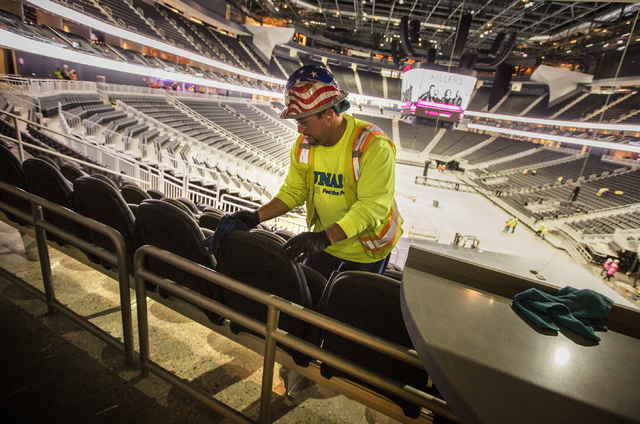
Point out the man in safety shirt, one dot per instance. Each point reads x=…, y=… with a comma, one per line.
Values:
x=343, y=169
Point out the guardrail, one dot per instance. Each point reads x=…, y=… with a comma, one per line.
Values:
x=272, y=334
x=117, y=260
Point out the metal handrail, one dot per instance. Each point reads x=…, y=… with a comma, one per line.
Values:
x=118, y=260
x=272, y=333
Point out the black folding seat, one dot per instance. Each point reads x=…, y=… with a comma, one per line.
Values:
x=371, y=303
x=105, y=179
x=258, y=261
x=72, y=172
x=134, y=194
x=210, y=220
x=168, y=227
x=179, y=204
x=101, y=201
x=285, y=234
x=155, y=194
x=11, y=173
x=48, y=182
x=46, y=158
x=188, y=203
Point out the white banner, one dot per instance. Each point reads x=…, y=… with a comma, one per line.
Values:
x=435, y=87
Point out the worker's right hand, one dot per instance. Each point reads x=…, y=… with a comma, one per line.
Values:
x=250, y=218
x=303, y=245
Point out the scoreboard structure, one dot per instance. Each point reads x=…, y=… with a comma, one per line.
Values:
x=432, y=94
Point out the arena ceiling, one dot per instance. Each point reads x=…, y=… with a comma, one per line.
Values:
x=567, y=29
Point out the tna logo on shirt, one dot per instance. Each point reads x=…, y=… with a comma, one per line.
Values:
x=329, y=180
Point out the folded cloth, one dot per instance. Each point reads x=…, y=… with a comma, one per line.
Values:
x=226, y=224
x=579, y=310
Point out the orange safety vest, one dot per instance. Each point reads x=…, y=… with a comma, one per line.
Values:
x=378, y=242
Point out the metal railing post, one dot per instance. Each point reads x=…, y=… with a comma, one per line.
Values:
x=19, y=139
x=143, y=322
x=43, y=254
x=273, y=315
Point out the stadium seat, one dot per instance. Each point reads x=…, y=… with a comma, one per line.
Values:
x=11, y=173
x=258, y=261
x=285, y=234
x=210, y=220
x=351, y=297
x=188, y=203
x=179, y=204
x=99, y=200
x=72, y=172
x=155, y=194
x=47, y=181
x=170, y=228
x=105, y=179
x=134, y=194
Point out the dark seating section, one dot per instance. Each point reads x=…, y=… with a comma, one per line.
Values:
x=394, y=88
x=371, y=303
x=99, y=200
x=168, y=227
x=498, y=148
x=155, y=194
x=259, y=262
x=480, y=99
x=291, y=64
x=617, y=111
x=11, y=173
x=346, y=79
x=454, y=142
x=415, y=137
x=210, y=220
x=46, y=181
x=607, y=224
x=588, y=200
x=516, y=103
x=586, y=106
x=127, y=18
x=371, y=83
x=533, y=160
x=133, y=194
x=72, y=171
x=384, y=124
x=50, y=105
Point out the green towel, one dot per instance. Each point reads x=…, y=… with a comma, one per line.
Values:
x=579, y=310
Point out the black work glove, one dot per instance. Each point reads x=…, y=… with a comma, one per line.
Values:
x=303, y=245
x=250, y=218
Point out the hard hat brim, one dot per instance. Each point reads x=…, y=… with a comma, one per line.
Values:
x=285, y=114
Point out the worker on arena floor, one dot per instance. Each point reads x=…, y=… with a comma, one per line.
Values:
x=343, y=169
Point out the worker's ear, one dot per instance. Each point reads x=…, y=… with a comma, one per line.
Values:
x=329, y=115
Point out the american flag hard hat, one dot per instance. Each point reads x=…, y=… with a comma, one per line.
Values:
x=310, y=89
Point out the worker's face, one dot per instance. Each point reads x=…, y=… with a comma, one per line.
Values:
x=315, y=128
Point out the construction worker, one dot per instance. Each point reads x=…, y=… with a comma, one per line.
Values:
x=343, y=169
x=507, y=225
x=545, y=231
x=612, y=269
x=513, y=225
x=606, y=265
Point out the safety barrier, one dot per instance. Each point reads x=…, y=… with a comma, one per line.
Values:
x=273, y=336
x=117, y=260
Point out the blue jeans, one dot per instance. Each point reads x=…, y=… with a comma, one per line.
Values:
x=325, y=264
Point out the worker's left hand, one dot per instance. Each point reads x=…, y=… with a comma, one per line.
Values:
x=303, y=245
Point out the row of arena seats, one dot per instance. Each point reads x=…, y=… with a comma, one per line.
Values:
x=251, y=257
x=49, y=106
